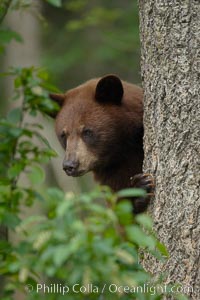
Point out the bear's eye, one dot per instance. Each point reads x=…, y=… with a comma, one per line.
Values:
x=63, y=139
x=89, y=136
x=87, y=133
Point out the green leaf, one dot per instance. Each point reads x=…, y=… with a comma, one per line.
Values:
x=55, y=194
x=18, y=82
x=163, y=250
x=43, y=74
x=36, y=175
x=145, y=221
x=14, y=267
x=28, y=222
x=63, y=252
x=57, y=3
x=48, y=106
x=125, y=256
x=50, y=87
x=4, y=246
x=6, y=35
x=15, y=170
x=102, y=246
x=124, y=212
x=41, y=138
x=63, y=207
x=137, y=235
x=141, y=276
x=132, y=192
x=124, y=207
x=14, y=116
x=16, y=132
x=10, y=220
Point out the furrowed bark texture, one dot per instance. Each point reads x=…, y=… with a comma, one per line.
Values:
x=170, y=42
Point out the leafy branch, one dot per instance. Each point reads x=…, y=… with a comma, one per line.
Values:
x=4, y=5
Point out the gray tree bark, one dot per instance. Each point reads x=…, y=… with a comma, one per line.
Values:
x=170, y=51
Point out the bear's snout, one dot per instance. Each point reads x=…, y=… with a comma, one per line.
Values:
x=71, y=167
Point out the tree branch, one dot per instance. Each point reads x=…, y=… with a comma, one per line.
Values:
x=4, y=8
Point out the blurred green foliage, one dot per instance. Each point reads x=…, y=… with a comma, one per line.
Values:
x=92, y=38
x=82, y=39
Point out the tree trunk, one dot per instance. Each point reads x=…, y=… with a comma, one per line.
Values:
x=170, y=32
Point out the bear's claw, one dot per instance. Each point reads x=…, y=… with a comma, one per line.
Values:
x=146, y=182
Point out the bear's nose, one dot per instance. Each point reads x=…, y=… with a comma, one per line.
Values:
x=70, y=167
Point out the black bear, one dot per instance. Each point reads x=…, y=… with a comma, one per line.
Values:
x=100, y=126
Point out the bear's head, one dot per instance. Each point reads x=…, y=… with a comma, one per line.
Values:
x=93, y=124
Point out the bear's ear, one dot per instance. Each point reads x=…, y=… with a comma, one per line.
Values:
x=109, y=89
x=58, y=99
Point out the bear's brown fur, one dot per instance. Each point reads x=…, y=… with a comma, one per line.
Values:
x=100, y=126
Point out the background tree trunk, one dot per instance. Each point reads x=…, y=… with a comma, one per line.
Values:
x=170, y=32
